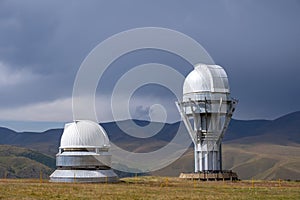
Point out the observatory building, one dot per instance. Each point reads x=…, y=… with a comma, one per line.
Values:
x=206, y=111
x=83, y=154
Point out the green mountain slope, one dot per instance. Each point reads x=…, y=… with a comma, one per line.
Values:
x=16, y=162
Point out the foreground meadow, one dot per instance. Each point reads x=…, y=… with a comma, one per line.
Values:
x=149, y=188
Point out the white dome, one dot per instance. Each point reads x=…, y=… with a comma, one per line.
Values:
x=206, y=78
x=84, y=134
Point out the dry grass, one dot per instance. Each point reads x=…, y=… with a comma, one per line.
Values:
x=149, y=188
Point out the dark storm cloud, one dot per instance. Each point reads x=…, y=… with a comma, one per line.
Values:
x=257, y=42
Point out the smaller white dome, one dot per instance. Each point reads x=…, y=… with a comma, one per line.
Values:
x=206, y=78
x=84, y=134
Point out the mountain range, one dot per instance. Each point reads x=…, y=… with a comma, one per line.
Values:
x=260, y=149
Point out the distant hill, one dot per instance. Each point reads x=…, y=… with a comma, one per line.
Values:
x=263, y=160
x=46, y=142
x=257, y=161
x=17, y=162
x=284, y=130
x=246, y=144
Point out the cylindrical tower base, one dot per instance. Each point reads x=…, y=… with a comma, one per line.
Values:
x=207, y=157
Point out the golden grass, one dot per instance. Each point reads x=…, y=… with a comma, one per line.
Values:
x=149, y=188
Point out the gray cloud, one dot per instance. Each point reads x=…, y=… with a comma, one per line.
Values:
x=142, y=112
x=43, y=43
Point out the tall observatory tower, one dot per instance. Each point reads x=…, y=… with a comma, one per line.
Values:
x=206, y=111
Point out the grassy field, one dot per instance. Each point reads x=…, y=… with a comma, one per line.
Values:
x=149, y=188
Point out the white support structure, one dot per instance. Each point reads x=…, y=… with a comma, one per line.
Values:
x=206, y=111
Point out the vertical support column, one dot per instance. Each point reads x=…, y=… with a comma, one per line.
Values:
x=216, y=161
x=200, y=161
x=196, y=157
x=206, y=159
x=220, y=156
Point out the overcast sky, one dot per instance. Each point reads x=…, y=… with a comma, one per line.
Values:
x=43, y=43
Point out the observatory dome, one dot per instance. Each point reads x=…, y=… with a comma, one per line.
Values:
x=206, y=78
x=84, y=133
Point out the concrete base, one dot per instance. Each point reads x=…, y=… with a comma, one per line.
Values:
x=211, y=176
x=84, y=176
